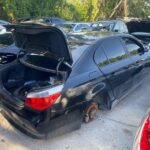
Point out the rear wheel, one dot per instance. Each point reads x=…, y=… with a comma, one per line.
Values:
x=90, y=112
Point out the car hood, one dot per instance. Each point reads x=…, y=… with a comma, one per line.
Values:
x=41, y=39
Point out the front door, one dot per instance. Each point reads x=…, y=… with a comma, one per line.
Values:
x=137, y=56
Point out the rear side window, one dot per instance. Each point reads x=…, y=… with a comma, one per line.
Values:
x=132, y=47
x=100, y=57
x=114, y=50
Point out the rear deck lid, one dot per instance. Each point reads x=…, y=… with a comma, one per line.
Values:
x=41, y=39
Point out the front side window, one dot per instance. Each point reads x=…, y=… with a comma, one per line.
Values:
x=132, y=47
x=114, y=50
x=100, y=57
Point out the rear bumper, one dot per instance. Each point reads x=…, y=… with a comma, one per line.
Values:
x=20, y=123
x=57, y=126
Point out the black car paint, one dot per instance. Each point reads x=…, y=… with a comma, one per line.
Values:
x=143, y=36
x=140, y=29
x=87, y=83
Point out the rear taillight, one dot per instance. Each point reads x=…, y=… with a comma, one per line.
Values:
x=145, y=135
x=43, y=99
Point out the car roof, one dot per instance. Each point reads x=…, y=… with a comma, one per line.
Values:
x=79, y=42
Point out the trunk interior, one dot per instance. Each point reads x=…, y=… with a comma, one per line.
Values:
x=20, y=79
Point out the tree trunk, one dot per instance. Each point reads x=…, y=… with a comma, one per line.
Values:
x=119, y=4
x=125, y=8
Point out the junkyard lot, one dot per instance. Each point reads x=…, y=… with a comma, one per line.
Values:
x=112, y=130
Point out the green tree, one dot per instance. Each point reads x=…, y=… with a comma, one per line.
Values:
x=77, y=10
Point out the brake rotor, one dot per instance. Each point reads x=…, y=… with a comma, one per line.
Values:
x=91, y=112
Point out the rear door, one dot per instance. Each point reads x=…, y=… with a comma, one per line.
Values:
x=119, y=70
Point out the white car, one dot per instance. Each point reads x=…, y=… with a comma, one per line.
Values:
x=2, y=30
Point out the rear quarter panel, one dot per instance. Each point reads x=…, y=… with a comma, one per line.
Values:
x=86, y=82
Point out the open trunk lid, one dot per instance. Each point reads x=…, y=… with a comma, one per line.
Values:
x=142, y=26
x=41, y=39
x=45, y=47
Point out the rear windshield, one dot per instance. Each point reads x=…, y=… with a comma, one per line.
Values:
x=77, y=50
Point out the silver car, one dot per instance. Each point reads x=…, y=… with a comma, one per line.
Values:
x=75, y=27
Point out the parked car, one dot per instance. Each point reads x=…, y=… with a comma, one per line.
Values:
x=142, y=138
x=47, y=91
x=75, y=27
x=53, y=20
x=140, y=29
x=44, y=20
x=110, y=25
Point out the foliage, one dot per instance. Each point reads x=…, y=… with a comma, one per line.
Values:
x=139, y=8
x=78, y=10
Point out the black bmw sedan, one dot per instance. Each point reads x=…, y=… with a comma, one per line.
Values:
x=52, y=86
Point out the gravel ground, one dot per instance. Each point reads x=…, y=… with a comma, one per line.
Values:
x=112, y=130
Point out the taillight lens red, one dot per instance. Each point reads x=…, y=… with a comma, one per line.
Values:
x=145, y=135
x=42, y=103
